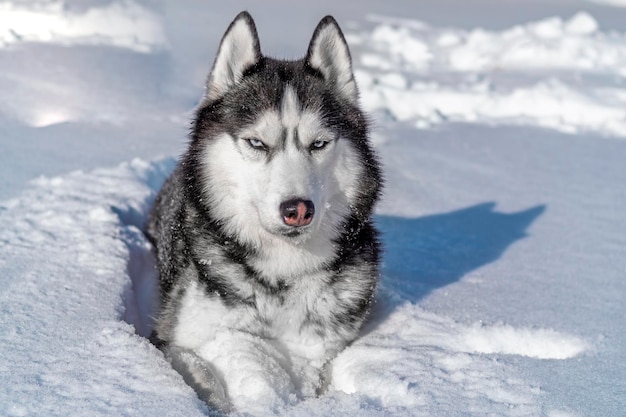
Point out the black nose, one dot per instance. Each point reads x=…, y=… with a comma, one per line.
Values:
x=297, y=212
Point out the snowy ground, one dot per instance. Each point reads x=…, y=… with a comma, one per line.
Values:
x=502, y=127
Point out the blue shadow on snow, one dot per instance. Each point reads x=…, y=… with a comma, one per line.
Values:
x=430, y=252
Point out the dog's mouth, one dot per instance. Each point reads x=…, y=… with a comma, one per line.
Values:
x=293, y=232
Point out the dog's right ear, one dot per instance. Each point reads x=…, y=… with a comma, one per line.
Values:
x=239, y=50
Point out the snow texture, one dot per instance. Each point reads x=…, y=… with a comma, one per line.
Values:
x=135, y=28
x=503, y=279
x=453, y=87
x=616, y=3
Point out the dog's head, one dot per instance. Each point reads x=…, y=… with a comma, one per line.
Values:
x=280, y=148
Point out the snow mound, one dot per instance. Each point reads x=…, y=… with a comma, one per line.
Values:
x=425, y=75
x=64, y=266
x=123, y=24
x=419, y=359
x=95, y=63
x=534, y=343
x=549, y=44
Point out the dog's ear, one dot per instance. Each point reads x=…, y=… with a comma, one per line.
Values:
x=239, y=50
x=329, y=54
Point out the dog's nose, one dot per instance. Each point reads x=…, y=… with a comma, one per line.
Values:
x=297, y=212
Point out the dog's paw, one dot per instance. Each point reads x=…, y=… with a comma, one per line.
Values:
x=256, y=375
x=199, y=375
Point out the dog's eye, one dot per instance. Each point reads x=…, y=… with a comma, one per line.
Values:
x=256, y=144
x=319, y=144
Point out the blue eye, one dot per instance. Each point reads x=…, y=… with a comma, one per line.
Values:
x=319, y=144
x=256, y=144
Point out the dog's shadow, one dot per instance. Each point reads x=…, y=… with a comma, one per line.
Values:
x=425, y=253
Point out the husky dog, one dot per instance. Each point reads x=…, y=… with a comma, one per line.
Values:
x=265, y=245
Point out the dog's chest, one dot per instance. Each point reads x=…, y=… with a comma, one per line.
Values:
x=298, y=305
x=297, y=315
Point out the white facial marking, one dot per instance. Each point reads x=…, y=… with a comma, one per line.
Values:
x=290, y=109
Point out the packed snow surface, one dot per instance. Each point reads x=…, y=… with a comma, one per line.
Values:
x=503, y=281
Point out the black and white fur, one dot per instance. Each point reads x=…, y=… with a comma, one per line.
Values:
x=269, y=134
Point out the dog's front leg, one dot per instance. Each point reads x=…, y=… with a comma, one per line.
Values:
x=199, y=375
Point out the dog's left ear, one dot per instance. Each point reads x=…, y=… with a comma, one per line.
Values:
x=239, y=50
x=329, y=54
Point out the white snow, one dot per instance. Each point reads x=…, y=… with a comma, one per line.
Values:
x=503, y=282
x=135, y=28
x=448, y=67
x=616, y=3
